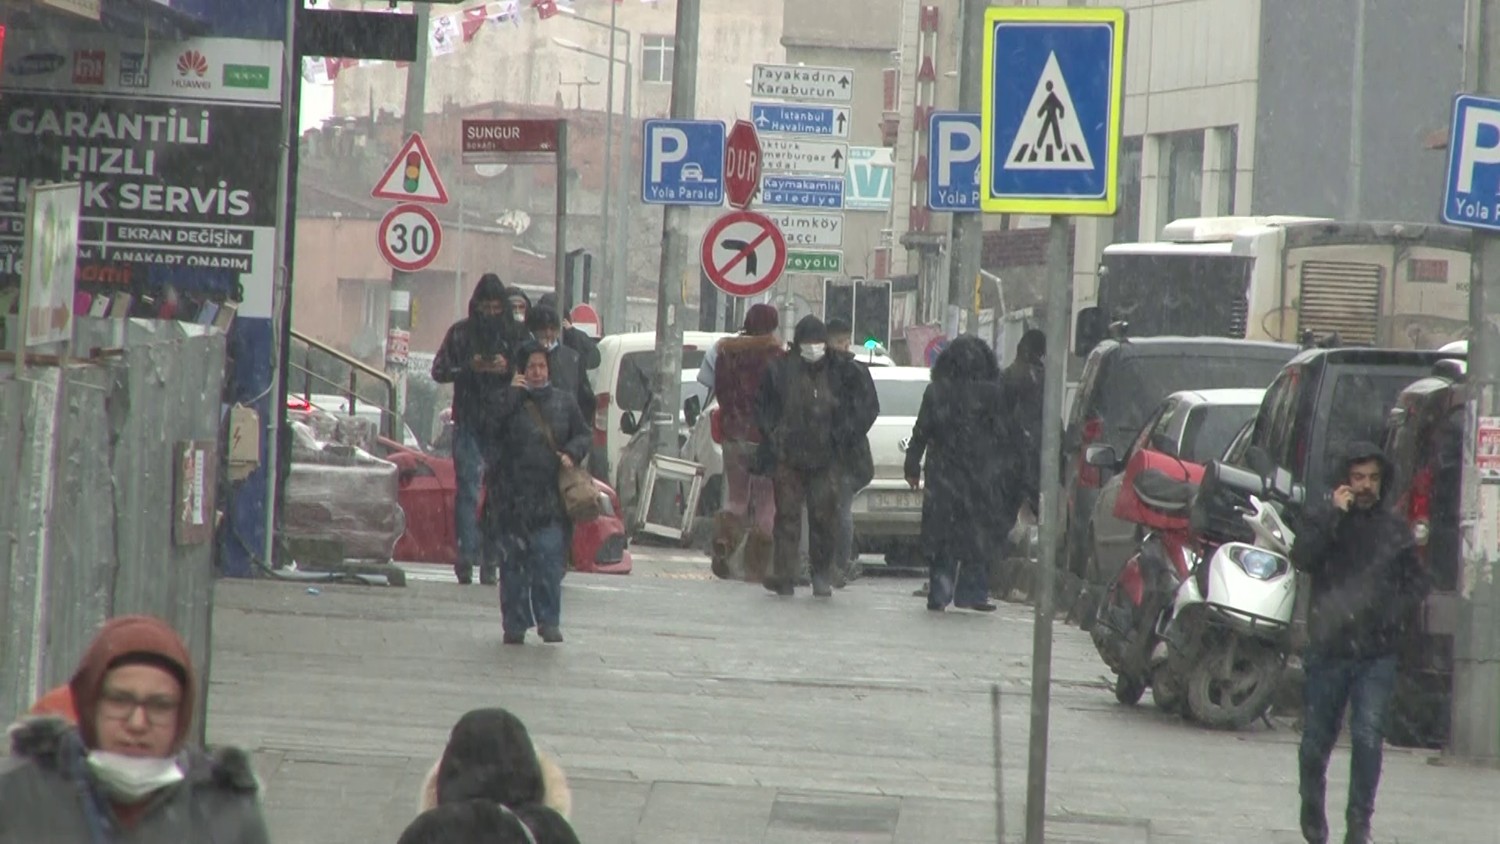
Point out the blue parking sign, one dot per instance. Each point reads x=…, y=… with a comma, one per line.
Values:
x=1472, y=197
x=953, y=142
x=684, y=162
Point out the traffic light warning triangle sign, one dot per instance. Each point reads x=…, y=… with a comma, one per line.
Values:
x=411, y=176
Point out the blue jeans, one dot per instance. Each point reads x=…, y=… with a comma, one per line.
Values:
x=468, y=471
x=531, y=575
x=1365, y=686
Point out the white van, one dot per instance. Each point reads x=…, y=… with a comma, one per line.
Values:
x=622, y=382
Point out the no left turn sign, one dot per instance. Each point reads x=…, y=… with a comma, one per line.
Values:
x=409, y=237
x=743, y=253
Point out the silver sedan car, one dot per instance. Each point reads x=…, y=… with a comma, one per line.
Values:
x=1194, y=426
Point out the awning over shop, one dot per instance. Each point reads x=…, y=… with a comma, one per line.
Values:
x=121, y=17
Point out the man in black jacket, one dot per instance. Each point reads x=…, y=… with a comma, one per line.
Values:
x=475, y=359
x=569, y=374
x=858, y=462
x=810, y=415
x=1367, y=584
x=574, y=338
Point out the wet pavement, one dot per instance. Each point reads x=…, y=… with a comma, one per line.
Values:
x=689, y=711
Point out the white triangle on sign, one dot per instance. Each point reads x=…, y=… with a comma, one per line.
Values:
x=1050, y=137
x=418, y=182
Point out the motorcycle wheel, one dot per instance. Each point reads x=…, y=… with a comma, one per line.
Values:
x=1167, y=692
x=1233, y=684
x=1128, y=690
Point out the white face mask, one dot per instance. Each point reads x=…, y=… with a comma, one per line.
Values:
x=131, y=778
x=813, y=352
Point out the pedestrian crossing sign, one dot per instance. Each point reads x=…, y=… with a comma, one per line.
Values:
x=1050, y=122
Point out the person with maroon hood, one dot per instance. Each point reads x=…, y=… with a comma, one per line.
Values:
x=749, y=500
x=124, y=773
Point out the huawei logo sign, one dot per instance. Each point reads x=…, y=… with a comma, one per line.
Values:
x=192, y=62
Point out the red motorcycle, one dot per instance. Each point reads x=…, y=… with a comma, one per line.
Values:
x=1157, y=494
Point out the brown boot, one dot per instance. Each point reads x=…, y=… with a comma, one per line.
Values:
x=759, y=551
x=727, y=534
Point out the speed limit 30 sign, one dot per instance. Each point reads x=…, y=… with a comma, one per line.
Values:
x=409, y=237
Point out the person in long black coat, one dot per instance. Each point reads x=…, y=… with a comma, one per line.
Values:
x=965, y=431
x=523, y=508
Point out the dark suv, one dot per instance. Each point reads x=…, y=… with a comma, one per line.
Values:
x=1425, y=442
x=1123, y=381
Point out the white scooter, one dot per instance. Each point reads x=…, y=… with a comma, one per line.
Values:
x=1229, y=633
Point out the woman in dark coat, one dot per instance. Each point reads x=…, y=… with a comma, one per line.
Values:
x=523, y=509
x=964, y=431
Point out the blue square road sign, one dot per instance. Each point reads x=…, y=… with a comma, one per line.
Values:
x=953, y=141
x=684, y=162
x=1472, y=195
x=1051, y=116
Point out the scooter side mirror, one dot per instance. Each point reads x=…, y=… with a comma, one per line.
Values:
x=1260, y=462
x=1101, y=456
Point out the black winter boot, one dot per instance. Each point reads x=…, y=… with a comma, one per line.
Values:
x=464, y=572
x=1358, y=832
x=487, y=574
x=1314, y=823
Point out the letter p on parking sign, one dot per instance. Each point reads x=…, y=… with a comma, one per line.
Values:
x=1472, y=197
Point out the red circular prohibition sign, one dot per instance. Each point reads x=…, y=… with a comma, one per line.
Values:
x=412, y=250
x=729, y=248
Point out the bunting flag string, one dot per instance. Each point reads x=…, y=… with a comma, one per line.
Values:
x=447, y=34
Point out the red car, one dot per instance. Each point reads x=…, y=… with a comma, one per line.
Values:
x=427, y=493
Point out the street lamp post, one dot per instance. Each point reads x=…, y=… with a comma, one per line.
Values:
x=614, y=316
x=613, y=268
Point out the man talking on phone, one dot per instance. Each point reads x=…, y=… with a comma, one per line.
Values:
x=1367, y=585
x=475, y=359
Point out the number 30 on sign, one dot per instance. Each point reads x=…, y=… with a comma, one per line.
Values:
x=410, y=237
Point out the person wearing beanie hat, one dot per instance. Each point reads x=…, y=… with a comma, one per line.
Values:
x=812, y=411
x=733, y=372
x=125, y=769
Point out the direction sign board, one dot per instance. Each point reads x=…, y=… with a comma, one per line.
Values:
x=411, y=176
x=1472, y=197
x=802, y=192
x=796, y=119
x=1050, y=122
x=953, y=141
x=796, y=155
x=509, y=141
x=814, y=262
x=743, y=253
x=684, y=162
x=409, y=237
x=802, y=84
x=808, y=229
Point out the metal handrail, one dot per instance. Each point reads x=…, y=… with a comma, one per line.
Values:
x=391, y=419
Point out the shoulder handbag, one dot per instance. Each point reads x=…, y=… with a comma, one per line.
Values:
x=574, y=483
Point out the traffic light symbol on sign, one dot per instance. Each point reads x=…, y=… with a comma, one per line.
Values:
x=413, y=178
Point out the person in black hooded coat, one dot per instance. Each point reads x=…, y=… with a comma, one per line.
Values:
x=572, y=337
x=475, y=358
x=967, y=434
x=493, y=786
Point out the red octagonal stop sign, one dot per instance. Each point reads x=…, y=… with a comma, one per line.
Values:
x=741, y=164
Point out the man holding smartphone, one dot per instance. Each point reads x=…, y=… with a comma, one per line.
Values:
x=1367, y=585
x=475, y=359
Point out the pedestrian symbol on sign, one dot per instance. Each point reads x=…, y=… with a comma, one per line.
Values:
x=1050, y=137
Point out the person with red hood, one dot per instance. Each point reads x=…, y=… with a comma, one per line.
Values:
x=734, y=373
x=124, y=771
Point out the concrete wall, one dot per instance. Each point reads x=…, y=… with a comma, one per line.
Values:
x=1413, y=65
x=90, y=501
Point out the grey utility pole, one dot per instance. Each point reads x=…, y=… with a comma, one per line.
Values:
x=1476, y=648
x=607, y=270
x=398, y=309
x=674, y=247
x=967, y=240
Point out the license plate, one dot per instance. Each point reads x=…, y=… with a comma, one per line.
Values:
x=895, y=500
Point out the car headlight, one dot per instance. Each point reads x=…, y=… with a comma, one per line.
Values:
x=1261, y=565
